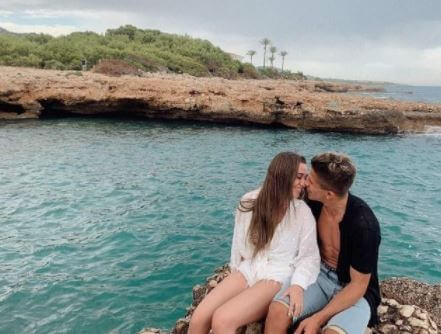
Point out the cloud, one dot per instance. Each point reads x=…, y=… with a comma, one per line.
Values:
x=5, y=13
x=60, y=22
x=373, y=62
x=54, y=30
x=50, y=14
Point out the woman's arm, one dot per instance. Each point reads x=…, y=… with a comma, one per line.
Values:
x=235, y=258
x=307, y=261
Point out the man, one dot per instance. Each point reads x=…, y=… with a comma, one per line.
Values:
x=345, y=297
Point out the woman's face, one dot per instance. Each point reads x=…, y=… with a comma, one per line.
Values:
x=300, y=180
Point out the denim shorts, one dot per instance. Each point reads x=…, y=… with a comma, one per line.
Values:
x=353, y=320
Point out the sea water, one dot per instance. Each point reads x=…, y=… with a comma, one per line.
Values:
x=427, y=94
x=106, y=225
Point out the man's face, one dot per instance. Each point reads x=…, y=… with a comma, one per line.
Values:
x=313, y=187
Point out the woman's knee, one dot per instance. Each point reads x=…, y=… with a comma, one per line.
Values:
x=277, y=318
x=222, y=321
x=199, y=320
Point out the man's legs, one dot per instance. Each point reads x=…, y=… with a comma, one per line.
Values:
x=353, y=320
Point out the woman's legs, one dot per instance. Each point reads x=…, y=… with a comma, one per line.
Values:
x=231, y=286
x=250, y=305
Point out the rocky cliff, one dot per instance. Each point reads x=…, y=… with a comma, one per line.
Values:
x=30, y=93
x=407, y=307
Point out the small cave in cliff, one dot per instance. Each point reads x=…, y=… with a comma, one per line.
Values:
x=9, y=107
x=53, y=108
x=124, y=108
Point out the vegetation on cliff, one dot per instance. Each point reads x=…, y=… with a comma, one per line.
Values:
x=148, y=50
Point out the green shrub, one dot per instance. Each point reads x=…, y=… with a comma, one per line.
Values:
x=248, y=71
x=146, y=49
x=54, y=65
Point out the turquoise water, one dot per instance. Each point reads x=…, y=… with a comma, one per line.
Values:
x=106, y=225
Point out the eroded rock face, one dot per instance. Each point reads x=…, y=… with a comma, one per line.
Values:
x=33, y=93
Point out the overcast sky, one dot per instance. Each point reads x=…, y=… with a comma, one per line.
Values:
x=387, y=40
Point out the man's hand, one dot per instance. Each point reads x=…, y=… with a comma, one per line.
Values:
x=310, y=325
x=295, y=293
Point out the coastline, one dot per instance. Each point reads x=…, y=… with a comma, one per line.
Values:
x=27, y=93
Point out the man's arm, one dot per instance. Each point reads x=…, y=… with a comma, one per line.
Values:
x=345, y=298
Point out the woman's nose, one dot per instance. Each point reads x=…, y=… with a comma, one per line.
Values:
x=306, y=181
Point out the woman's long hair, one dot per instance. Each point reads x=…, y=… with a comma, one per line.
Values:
x=270, y=206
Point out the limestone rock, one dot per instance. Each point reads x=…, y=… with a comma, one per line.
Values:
x=181, y=326
x=403, y=318
x=407, y=310
x=305, y=105
x=152, y=331
x=410, y=292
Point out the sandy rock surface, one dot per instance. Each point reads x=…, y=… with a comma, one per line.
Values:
x=311, y=105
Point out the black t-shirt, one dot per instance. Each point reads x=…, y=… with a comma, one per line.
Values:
x=359, y=242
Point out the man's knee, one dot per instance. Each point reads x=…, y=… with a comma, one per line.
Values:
x=277, y=319
x=333, y=330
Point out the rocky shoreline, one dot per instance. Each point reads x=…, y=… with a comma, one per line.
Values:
x=407, y=307
x=27, y=93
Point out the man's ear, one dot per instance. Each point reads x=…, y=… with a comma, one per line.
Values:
x=330, y=194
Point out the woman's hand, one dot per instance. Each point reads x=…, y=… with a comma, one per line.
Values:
x=295, y=293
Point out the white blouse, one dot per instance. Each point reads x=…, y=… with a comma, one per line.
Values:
x=292, y=253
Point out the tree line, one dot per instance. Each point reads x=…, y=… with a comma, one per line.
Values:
x=148, y=50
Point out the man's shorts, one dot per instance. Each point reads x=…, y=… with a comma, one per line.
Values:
x=353, y=320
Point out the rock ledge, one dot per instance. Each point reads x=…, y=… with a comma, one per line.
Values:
x=27, y=93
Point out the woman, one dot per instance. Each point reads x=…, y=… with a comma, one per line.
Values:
x=274, y=238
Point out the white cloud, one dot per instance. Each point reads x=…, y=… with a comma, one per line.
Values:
x=375, y=62
x=432, y=58
x=46, y=14
x=54, y=30
x=72, y=14
x=5, y=13
x=79, y=20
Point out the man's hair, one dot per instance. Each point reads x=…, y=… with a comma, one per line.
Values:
x=336, y=172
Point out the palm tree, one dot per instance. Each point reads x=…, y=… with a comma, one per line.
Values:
x=273, y=50
x=251, y=53
x=283, y=54
x=265, y=42
x=271, y=59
